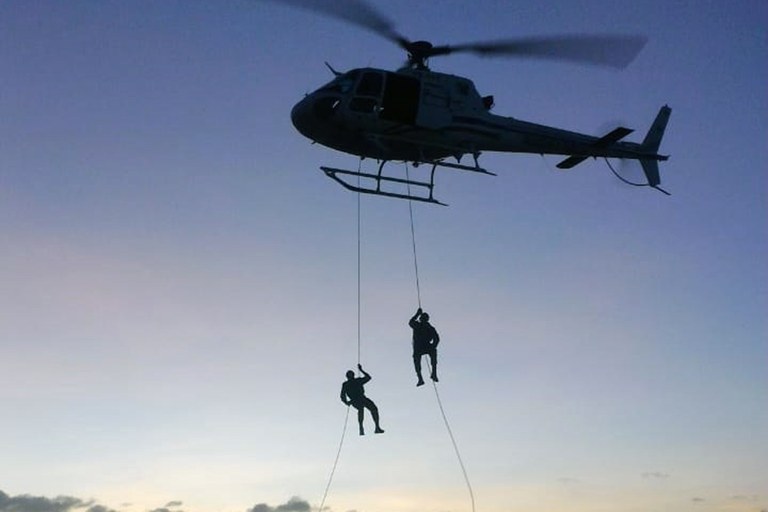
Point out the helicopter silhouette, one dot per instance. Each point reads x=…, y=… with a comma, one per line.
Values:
x=421, y=116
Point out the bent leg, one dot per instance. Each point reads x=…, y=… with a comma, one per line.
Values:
x=374, y=413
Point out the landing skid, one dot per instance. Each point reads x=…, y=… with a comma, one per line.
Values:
x=339, y=175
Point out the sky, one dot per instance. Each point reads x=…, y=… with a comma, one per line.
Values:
x=179, y=280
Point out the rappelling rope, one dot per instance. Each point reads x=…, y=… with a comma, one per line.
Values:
x=346, y=416
x=358, y=260
x=453, y=441
x=434, y=384
x=413, y=235
x=336, y=460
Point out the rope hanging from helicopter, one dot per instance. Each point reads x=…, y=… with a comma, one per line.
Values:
x=358, y=263
x=413, y=236
x=346, y=416
x=434, y=384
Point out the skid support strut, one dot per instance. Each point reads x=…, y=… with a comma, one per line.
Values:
x=379, y=178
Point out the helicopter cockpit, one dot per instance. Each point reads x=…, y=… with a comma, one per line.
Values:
x=342, y=83
x=387, y=95
x=363, y=88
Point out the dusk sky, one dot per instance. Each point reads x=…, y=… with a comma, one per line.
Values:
x=178, y=279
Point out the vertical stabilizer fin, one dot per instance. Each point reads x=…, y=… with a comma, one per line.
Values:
x=651, y=145
x=651, y=170
x=653, y=138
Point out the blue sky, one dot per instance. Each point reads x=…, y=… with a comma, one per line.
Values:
x=179, y=290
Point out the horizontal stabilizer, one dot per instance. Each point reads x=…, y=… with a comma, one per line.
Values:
x=604, y=141
x=613, y=136
x=571, y=161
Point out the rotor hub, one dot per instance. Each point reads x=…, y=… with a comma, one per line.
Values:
x=418, y=53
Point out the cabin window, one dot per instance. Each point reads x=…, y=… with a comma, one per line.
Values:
x=370, y=84
x=366, y=105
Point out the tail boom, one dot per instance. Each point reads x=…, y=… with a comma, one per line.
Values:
x=646, y=153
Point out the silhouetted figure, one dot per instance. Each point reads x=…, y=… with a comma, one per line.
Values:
x=353, y=393
x=425, y=341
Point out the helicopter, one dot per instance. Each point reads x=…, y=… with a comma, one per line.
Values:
x=423, y=117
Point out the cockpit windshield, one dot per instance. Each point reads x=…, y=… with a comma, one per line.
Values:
x=343, y=83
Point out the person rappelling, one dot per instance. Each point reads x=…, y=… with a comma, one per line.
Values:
x=425, y=341
x=353, y=393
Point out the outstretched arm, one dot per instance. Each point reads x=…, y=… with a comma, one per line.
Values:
x=366, y=375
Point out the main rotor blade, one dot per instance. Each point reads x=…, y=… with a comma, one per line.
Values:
x=356, y=12
x=615, y=51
